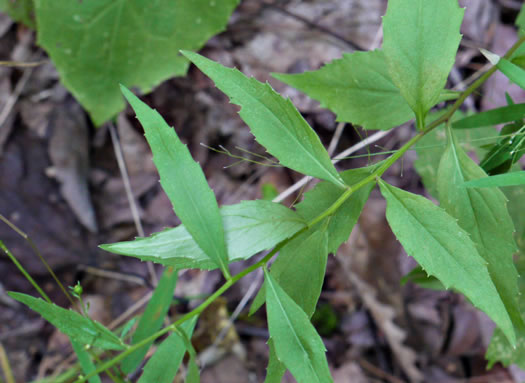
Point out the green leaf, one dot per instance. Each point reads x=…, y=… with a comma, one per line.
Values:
x=184, y=182
x=430, y=148
x=152, y=319
x=357, y=88
x=483, y=214
x=193, y=375
x=98, y=44
x=275, y=370
x=520, y=21
x=500, y=350
x=164, y=364
x=507, y=151
x=421, y=39
x=444, y=250
x=79, y=328
x=516, y=207
x=419, y=277
x=513, y=72
x=297, y=344
x=84, y=359
x=250, y=227
x=324, y=194
x=299, y=269
x=507, y=179
x=20, y=10
x=492, y=117
x=274, y=121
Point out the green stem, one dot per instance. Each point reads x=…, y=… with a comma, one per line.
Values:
x=348, y=191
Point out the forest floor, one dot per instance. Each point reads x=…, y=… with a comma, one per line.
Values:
x=60, y=183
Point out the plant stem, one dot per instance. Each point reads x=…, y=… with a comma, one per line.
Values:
x=348, y=191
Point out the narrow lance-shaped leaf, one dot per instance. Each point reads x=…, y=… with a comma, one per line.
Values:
x=520, y=20
x=444, y=250
x=97, y=44
x=250, y=227
x=152, y=318
x=357, y=88
x=183, y=181
x=421, y=39
x=483, y=214
x=297, y=345
x=507, y=179
x=492, y=117
x=162, y=367
x=513, y=72
x=80, y=329
x=275, y=370
x=85, y=361
x=273, y=120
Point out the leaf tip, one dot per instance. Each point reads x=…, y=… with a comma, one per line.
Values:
x=492, y=57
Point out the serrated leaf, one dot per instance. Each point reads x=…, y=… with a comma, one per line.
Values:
x=84, y=359
x=444, y=250
x=420, y=42
x=297, y=344
x=430, y=148
x=357, y=88
x=20, y=10
x=275, y=370
x=98, y=44
x=324, y=194
x=79, y=328
x=299, y=269
x=162, y=367
x=152, y=319
x=273, y=120
x=184, y=182
x=250, y=227
x=507, y=179
x=492, y=117
x=483, y=214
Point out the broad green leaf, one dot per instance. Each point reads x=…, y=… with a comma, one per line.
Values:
x=516, y=207
x=79, y=328
x=357, y=88
x=483, y=214
x=444, y=250
x=430, y=148
x=419, y=277
x=273, y=120
x=297, y=344
x=299, y=269
x=324, y=194
x=84, y=359
x=507, y=179
x=250, y=227
x=420, y=42
x=184, y=182
x=275, y=370
x=98, y=44
x=492, y=117
x=500, y=350
x=20, y=10
x=513, y=72
x=164, y=364
x=152, y=319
